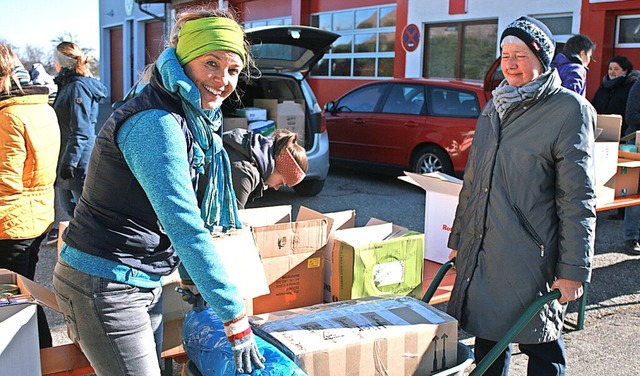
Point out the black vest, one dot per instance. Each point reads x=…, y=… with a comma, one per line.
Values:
x=114, y=219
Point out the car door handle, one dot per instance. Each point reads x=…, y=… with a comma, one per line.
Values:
x=411, y=124
x=358, y=121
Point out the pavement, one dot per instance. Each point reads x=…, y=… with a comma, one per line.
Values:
x=606, y=345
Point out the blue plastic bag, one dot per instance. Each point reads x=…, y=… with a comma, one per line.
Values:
x=207, y=346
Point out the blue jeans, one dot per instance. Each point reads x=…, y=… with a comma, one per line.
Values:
x=65, y=203
x=118, y=326
x=545, y=359
x=632, y=222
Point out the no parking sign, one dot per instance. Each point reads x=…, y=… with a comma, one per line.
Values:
x=410, y=37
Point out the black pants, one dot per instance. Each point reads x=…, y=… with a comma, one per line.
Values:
x=21, y=256
x=545, y=359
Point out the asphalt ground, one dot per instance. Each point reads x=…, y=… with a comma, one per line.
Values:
x=606, y=345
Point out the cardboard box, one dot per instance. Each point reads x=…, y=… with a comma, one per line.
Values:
x=19, y=348
x=233, y=122
x=19, y=345
x=292, y=255
x=627, y=177
x=379, y=258
x=606, y=157
x=240, y=256
x=441, y=201
x=252, y=113
x=370, y=336
x=288, y=114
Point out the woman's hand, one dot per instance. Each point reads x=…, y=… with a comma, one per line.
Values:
x=570, y=290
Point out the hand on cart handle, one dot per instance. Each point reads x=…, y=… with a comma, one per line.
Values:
x=569, y=290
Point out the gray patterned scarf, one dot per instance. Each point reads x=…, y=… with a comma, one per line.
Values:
x=505, y=95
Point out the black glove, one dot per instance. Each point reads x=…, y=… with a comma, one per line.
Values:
x=192, y=296
x=66, y=172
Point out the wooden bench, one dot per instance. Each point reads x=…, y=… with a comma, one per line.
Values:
x=69, y=360
x=64, y=360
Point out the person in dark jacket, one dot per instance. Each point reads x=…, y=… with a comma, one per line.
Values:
x=525, y=221
x=632, y=213
x=573, y=62
x=158, y=183
x=77, y=106
x=611, y=97
x=259, y=162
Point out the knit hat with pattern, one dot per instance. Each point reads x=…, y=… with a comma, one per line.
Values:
x=535, y=35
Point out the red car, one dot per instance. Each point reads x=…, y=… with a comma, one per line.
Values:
x=416, y=124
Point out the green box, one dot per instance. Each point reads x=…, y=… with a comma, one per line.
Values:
x=377, y=259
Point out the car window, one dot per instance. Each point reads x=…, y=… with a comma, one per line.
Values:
x=453, y=103
x=404, y=99
x=362, y=100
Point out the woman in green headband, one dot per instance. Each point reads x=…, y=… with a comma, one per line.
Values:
x=139, y=215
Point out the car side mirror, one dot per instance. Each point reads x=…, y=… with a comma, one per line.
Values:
x=330, y=107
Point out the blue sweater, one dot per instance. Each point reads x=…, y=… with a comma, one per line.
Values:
x=154, y=146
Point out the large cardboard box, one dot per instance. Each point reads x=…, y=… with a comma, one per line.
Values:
x=288, y=114
x=606, y=157
x=379, y=258
x=240, y=256
x=292, y=255
x=441, y=201
x=233, y=122
x=370, y=336
x=19, y=345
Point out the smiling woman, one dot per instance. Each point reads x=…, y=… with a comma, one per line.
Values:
x=160, y=168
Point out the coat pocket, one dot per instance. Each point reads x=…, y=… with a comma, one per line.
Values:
x=530, y=230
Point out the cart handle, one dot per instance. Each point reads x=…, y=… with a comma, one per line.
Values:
x=535, y=307
x=433, y=287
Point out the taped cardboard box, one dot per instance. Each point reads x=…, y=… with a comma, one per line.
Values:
x=370, y=336
x=341, y=220
x=606, y=157
x=19, y=345
x=441, y=201
x=288, y=114
x=239, y=255
x=292, y=255
x=379, y=258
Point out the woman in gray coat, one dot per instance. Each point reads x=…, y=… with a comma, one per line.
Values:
x=525, y=221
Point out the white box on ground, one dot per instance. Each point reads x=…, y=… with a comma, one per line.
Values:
x=606, y=157
x=19, y=348
x=441, y=201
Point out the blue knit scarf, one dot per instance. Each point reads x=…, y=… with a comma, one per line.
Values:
x=218, y=206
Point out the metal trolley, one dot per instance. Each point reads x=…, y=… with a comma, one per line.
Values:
x=516, y=328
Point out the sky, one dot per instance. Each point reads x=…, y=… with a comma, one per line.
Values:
x=37, y=22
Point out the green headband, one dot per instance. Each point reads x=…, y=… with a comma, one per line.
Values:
x=197, y=37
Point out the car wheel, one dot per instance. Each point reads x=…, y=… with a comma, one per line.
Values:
x=308, y=188
x=432, y=159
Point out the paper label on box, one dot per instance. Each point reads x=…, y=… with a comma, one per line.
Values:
x=390, y=273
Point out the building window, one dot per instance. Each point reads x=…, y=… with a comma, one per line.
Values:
x=628, y=31
x=460, y=49
x=282, y=21
x=366, y=46
x=558, y=24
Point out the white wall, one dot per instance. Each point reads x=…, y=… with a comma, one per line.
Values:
x=423, y=12
x=113, y=14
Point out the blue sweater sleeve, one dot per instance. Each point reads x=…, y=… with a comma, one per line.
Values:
x=154, y=147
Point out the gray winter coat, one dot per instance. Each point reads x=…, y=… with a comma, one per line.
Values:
x=526, y=214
